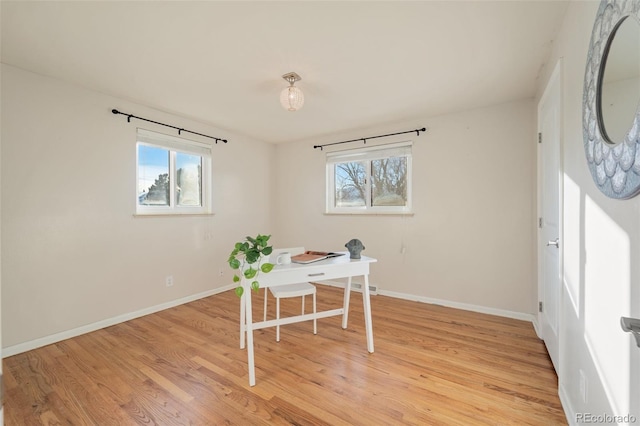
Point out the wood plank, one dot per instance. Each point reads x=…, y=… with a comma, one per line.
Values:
x=433, y=365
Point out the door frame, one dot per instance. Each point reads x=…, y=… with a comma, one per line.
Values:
x=554, y=82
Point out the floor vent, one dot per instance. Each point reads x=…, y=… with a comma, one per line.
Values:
x=372, y=288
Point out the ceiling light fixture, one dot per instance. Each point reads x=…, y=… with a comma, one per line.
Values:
x=292, y=98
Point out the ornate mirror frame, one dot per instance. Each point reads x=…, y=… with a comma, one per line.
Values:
x=615, y=168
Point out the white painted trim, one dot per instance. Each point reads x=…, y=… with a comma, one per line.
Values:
x=458, y=305
x=447, y=303
x=58, y=337
x=54, y=338
x=542, y=326
x=536, y=327
x=565, y=401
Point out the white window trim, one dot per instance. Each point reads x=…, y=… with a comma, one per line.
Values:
x=175, y=144
x=367, y=154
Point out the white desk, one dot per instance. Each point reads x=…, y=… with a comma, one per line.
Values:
x=337, y=267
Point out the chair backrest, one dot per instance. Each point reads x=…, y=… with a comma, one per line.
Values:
x=293, y=251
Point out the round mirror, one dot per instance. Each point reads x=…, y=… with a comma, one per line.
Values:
x=610, y=116
x=619, y=86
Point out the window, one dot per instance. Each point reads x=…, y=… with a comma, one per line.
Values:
x=173, y=175
x=370, y=180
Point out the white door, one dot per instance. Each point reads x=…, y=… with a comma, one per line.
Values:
x=549, y=208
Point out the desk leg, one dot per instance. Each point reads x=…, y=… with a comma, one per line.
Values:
x=366, y=299
x=345, y=304
x=242, y=320
x=249, y=328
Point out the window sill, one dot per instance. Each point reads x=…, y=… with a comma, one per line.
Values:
x=156, y=215
x=368, y=213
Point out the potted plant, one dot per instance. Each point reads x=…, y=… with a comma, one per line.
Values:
x=247, y=257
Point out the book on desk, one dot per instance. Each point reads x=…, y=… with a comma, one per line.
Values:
x=310, y=256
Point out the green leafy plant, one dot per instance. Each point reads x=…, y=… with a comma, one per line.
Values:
x=246, y=257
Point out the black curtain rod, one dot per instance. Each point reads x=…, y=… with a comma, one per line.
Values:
x=130, y=116
x=424, y=129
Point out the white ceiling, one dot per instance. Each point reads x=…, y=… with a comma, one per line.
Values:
x=362, y=63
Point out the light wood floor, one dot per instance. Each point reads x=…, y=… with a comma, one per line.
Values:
x=432, y=365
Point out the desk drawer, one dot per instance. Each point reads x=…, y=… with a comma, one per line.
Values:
x=297, y=274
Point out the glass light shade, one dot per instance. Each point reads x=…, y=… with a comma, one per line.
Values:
x=292, y=98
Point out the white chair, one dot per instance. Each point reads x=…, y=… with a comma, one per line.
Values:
x=289, y=290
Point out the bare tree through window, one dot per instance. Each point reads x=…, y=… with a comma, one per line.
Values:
x=373, y=179
x=389, y=182
x=350, y=184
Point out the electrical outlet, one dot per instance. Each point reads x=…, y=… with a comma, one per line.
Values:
x=169, y=280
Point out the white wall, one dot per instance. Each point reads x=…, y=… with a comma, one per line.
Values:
x=470, y=240
x=73, y=254
x=602, y=246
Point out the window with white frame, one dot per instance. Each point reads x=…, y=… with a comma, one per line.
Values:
x=173, y=175
x=370, y=180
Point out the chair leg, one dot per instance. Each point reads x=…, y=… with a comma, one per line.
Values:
x=315, y=321
x=278, y=318
x=303, y=304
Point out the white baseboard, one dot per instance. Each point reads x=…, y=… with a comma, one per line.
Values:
x=375, y=290
x=54, y=338
x=536, y=327
x=458, y=305
x=569, y=412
